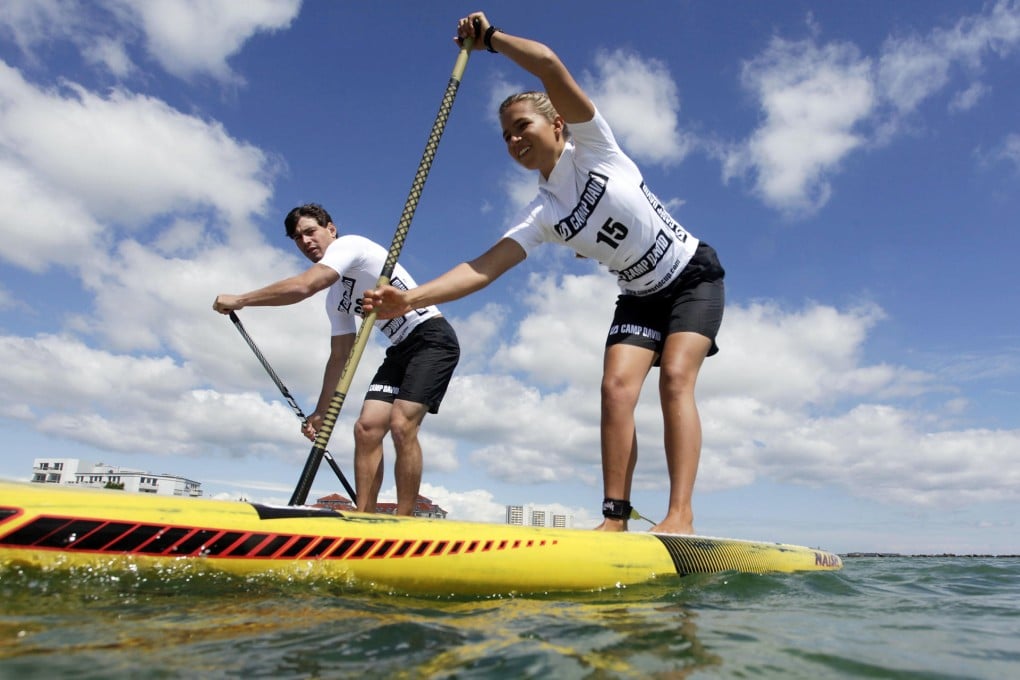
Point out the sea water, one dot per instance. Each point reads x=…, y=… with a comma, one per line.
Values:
x=880, y=617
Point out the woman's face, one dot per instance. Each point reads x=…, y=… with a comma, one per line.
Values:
x=532, y=139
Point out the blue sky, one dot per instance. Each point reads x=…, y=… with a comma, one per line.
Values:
x=855, y=164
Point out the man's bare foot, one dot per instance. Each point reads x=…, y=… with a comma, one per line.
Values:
x=612, y=525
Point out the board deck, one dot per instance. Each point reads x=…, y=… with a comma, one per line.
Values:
x=56, y=527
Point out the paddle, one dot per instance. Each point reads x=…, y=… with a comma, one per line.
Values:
x=290, y=400
x=403, y=226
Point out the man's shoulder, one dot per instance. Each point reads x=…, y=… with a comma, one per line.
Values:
x=356, y=238
x=350, y=254
x=352, y=244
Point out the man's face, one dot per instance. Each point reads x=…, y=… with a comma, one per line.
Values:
x=312, y=239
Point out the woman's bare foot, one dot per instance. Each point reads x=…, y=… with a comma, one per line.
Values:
x=675, y=523
x=612, y=525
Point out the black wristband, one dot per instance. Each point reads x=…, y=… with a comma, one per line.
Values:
x=487, y=40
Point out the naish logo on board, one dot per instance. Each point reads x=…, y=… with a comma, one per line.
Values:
x=594, y=189
x=827, y=560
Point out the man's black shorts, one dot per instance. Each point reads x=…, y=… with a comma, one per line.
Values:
x=418, y=368
x=692, y=303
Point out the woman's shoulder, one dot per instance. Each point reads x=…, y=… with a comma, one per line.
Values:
x=594, y=134
x=597, y=125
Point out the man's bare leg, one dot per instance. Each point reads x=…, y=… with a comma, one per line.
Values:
x=369, y=431
x=405, y=421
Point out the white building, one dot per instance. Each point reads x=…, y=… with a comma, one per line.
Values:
x=538, y=516
x=101, y=475
x=57, y=470
x=515, y=515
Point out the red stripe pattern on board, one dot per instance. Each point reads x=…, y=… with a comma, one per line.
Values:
x=117, y=537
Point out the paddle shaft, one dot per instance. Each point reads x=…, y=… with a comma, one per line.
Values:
x=403, y=226
x=290, y=399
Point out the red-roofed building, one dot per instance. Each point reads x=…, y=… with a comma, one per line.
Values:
x=424, y=507
x=334, y=501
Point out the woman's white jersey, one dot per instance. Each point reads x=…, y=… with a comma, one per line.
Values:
x=359, y=261
x=596, y=202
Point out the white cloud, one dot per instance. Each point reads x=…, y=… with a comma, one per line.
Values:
x=69, y=234
x=477, y=505
x=137, y=404
x=499, y=89
x=188, y=38
x=1009, y=150
x=822, y=102
x=112, y=55
x=888, y=455
x=35, y=366
x=520, y=187
x=967, y=99
x=31, y=22
x=912, y=68
x=197, y=37
x=813, y=99
x=795, y=358
x=561, y=341
x=154, y=159
x=639, y=99
x=144, y=300
x=478, y=334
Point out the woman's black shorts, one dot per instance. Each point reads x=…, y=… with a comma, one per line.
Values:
x=692, y=303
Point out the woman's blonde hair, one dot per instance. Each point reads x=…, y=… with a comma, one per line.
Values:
x=541, y=102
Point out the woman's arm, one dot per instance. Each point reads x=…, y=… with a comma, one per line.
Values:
x=466, y=278
x=539, y=60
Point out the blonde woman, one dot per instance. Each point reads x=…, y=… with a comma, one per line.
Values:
x=592, y=198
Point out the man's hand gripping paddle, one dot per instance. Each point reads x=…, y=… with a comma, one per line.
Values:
x=290, y=400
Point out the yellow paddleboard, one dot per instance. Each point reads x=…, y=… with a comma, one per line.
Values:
x=56, y=527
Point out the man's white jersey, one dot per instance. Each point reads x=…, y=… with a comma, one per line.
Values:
x=359, y=261
x=596, y=202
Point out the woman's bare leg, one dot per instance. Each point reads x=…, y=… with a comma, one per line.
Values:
x=682, y=358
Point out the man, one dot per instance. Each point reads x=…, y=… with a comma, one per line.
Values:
x=411, y=381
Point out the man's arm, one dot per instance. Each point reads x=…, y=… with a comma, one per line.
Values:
x=283, y=292
x=339, y=349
